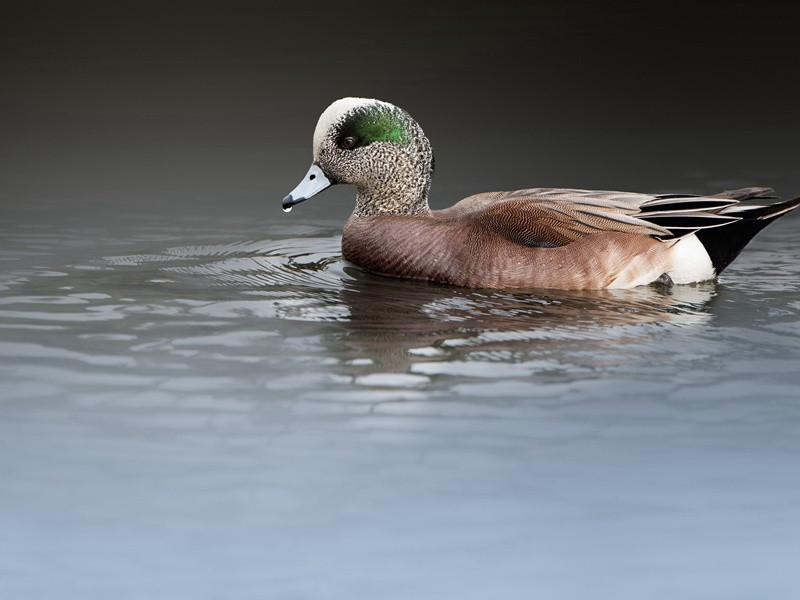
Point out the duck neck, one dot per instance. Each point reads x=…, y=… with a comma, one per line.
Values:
x=398, y=185
x=392, y=200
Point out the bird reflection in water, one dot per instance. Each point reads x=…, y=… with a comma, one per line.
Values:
x=377, y=324
x=398, y=323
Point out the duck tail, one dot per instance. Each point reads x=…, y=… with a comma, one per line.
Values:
x=754, y=211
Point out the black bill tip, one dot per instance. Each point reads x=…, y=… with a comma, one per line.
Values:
x=289, y=201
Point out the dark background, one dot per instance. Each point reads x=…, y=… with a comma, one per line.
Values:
x=110, y=107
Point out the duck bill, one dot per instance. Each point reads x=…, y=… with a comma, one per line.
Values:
x=312, y=184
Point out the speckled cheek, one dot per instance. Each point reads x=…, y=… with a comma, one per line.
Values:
x=324, y=153
x=332, y=165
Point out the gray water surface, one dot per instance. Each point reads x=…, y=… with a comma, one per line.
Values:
x=205, y=407
x=200, y=401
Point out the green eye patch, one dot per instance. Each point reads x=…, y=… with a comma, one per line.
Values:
x=374, y=125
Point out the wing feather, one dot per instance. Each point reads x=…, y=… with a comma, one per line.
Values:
x=550, y=217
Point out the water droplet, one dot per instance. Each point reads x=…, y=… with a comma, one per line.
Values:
x=287, y=209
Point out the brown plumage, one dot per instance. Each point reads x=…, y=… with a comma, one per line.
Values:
x=538, y=238
x=533, y=238
x=464, y=252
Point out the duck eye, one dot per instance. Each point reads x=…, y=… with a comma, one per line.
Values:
x=347, y=143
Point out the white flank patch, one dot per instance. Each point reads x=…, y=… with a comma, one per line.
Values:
x=690, y=261
x=334, y=113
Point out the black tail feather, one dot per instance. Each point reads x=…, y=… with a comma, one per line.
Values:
x=723, y=244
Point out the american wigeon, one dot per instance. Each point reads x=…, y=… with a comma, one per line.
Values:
x=533, y=238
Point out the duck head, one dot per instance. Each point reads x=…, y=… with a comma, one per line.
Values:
x=378, y=148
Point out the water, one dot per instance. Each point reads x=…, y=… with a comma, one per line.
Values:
x=218, y=407
x=199, y=401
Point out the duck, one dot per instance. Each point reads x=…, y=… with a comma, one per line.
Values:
x=552, y=238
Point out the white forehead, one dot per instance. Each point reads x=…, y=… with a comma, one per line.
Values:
x=335, y=112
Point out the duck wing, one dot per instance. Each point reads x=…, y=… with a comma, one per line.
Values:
x=546, y=217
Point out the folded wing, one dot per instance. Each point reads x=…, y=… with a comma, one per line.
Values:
x=545, y=217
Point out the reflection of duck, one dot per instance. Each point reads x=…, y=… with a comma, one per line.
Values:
x=431, y=322
x=422, y=325
x=535, y=238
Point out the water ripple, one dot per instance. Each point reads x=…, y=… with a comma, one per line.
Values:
x=254, y=302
